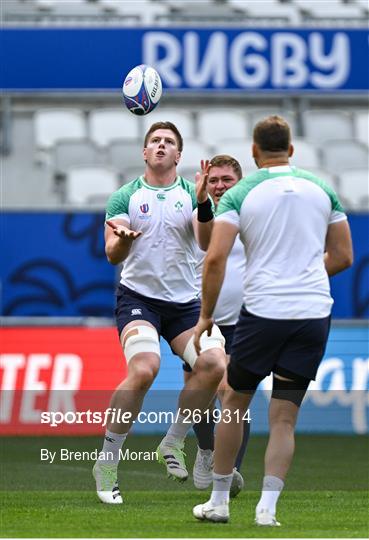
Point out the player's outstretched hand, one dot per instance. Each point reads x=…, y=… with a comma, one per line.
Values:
x=123, y=232
x=202, y=326
x=202, y=181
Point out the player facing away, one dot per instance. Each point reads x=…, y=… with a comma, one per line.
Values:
x=153, y=224
x=224, y=172
x=295, y=235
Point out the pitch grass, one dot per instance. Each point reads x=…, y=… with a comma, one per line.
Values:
x=326, y=493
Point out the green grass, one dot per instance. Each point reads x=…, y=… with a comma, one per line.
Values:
x=326, y=494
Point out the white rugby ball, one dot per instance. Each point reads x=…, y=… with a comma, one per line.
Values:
x=142, y=89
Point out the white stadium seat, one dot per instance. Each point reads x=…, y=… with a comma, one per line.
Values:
x=339, y=156
x=123, y=154
x=361, y=124
x=70, y=153
x=268, y=9
x=354, y=188
x=51, y=125
x=322, y=125
x=181, y=119
x=83, y=184
x=362, y=3
x=306, y=155
x=241, y=149
x=333, y=10
x=217, y=125
x=145, y=10
x=105, y=125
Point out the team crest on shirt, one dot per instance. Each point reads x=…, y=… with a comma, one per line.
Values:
x=178, y=206
x=144, y=208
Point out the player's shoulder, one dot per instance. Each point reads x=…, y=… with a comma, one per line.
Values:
x=189, y=188
x=127, y=190
x=119, y=200
x=321, y=183
x=186, y=185
x=234, y=197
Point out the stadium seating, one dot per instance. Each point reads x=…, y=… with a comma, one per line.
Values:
x=55, y=124
x=86, y=185
x=247, y=12
x=241, y=150
x=182, y=119
x=105, y=125
x=361, y=125
x=322, y=125
x=69, y=153
x=305, y=155
x=215, y=125
x=340, y=155
x=354, y=188
x=123, y=155
x=270, y=11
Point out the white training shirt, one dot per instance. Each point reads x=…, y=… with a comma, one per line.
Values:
x=161, y=263
x=282, y=214
x=229, y=302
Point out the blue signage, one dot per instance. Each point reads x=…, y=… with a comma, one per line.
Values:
x=55, y=265
x=188, y=59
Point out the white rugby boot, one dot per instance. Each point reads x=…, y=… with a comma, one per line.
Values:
x=173, y=459
x=107, y=488
x=237, y=485
x=265, y=519
x=209, y=512
x=203, y=468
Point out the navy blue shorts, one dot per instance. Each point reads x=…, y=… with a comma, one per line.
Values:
x=261, y=346
x=169, y=318
x=227, y=332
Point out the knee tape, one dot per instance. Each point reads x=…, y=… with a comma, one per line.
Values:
x=214, y=341
x=140, y=339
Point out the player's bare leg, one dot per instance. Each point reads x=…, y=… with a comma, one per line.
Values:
x=127, y=398
x=196, y=396
x=227, y=444
x=278, y=457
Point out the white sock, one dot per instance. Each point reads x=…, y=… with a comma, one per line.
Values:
x=113, y=443
x=221, y=486
x=272, y=487
x=178, y=431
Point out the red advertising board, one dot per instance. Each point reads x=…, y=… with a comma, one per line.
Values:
x=57, y=369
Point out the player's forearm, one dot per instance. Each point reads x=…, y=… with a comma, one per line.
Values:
x=212, y=281
x=204, y=234
x=117, y=249
x=337, y=262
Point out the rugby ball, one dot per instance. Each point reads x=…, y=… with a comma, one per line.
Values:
x=142, y=89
